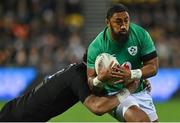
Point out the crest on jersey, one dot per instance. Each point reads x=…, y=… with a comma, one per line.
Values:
x=132, y=50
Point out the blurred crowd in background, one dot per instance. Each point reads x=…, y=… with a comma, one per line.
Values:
x=161, y=19
x=48, y=34
x=41, y=33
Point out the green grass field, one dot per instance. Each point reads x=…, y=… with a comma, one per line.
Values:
x=169, y=111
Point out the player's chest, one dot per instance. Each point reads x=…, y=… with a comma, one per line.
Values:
x=129, y=52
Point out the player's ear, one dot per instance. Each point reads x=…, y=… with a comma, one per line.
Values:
x=107, y=22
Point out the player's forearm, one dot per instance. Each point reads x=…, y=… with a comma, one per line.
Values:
x=148, y=71
x=90, y=82
x=150, y=68
x=94, y=84
x=107, y=104
x=101, y=105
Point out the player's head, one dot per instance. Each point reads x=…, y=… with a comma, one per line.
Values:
x=118, y=21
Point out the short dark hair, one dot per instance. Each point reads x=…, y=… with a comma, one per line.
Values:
x=116, y=8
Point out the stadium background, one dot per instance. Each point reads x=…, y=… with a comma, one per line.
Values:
x=39, y=37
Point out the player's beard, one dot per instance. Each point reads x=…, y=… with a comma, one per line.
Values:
x=120, y=37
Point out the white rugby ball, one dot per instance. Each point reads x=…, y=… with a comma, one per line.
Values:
x=103, y=61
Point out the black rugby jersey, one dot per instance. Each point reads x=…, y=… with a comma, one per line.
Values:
x=51, y=97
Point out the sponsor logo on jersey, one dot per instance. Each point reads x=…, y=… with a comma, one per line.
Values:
x=127, y=65
x=132, y=50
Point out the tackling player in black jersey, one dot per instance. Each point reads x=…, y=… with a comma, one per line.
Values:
x=56, y=94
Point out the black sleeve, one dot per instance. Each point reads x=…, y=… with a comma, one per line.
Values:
x=79, y=82
x=50, y=98
x=149, y=56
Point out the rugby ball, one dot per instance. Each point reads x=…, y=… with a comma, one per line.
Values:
x=103, y=61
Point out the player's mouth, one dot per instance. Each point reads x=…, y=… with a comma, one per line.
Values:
x=123, y=32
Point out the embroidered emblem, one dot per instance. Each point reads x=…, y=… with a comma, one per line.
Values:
x=132, y=50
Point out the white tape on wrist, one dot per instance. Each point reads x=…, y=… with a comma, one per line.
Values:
x=136, y=74
x=96, y=81
x=122, y=95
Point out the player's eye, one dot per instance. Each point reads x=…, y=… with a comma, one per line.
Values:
x=119, y=22
x=126, y=20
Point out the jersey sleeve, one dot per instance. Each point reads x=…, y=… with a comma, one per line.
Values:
x=79, y=83
x=148, y=50
x=94, y=50
x=83, y=91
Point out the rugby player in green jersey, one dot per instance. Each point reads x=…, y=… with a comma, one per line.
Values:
x=136, y=54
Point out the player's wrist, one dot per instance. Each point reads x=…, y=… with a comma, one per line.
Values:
x=96, y=82
x=123, y=94
x=136, y=74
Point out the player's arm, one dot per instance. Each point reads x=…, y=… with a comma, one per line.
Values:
x=100, y=105
x=95, y=81
x=91, y=74
x=92, y=53
x=150, y=68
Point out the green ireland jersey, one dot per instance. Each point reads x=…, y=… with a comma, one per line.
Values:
x=137, y=49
